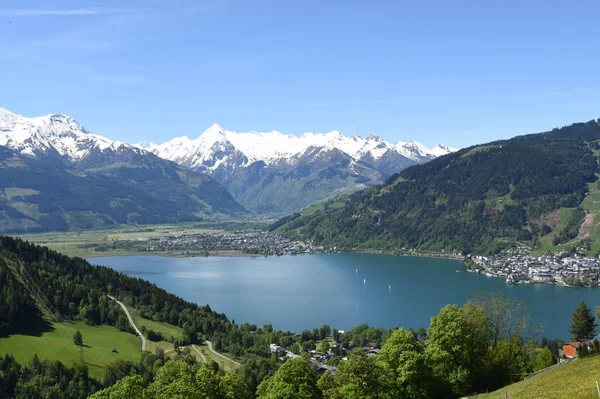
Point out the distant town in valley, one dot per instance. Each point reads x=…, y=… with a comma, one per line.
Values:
x=246, y=242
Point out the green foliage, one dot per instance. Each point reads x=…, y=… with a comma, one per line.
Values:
x=323, y=346
x=543, y=359
x=294, y=380
x=324, y=331
x=583, y=327
x=132, y=387
x=458, y=346
x=475, y=200
x=404, y=358
x=362, y=336
x=571, y=229
x=44, y=379
x=361, y=377
x=178, y=380
x=123, y=324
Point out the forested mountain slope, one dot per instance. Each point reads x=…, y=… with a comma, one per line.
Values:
x=43, y=195
x=477, y=199
x=56, y=175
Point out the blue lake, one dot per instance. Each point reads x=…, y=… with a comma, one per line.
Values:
x=342, y=290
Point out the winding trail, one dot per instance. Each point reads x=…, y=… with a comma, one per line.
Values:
x=137, y=331
x=218, y=354
x=200, y=353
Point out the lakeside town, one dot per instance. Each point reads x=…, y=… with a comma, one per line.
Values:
x=563, y=268
x=249, y=242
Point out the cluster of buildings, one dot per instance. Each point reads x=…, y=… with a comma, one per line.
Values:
x=251, y=242
x=559, y=268
x=316, y=358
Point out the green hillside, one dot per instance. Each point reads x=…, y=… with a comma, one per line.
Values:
x=56, y=343
x=479, y=199
x=575, y=380
x=48, y=195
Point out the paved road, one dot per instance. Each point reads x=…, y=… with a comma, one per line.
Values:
x=218, y=354
x=137, y=331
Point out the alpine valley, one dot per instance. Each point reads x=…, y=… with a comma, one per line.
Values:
x=277, y=173
x=56, y=175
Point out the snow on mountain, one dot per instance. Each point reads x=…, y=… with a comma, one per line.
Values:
x=215, y=148
x=50, y=133
x=275, y=146
x=441, y=149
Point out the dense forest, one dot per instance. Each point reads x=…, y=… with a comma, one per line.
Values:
x=475, y=200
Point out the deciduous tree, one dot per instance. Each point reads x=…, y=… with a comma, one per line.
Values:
x=294, y=380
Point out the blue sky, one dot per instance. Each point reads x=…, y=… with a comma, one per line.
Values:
x=456, y=72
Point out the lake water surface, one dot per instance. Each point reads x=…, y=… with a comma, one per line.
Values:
x=342, y=290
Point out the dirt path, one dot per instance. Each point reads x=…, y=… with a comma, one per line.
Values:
x=218, y=354
x=137, y=331
x=200, y=353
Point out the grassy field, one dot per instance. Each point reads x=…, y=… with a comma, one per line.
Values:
x=57, y=344
x=574, y=380
x=546, y=241
x=167, y=330
x=205, y=353
x=74, y=243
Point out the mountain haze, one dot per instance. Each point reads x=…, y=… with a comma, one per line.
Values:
x=274, y=173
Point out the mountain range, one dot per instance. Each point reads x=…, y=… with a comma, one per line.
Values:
x=221, y=172
x=539, y=190
x=58, y=176
x=272, y=172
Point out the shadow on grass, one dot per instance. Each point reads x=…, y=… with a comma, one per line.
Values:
x=33, y=325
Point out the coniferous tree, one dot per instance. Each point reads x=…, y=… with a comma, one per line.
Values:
x=78, y=338
x=583, y=327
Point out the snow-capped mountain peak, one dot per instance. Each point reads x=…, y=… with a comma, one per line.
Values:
x=53, y=133
x=274, y=146
x=441, y=149
x=215, y=151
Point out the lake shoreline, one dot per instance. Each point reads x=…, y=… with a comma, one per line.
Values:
x=178, y=254
x=241, y=254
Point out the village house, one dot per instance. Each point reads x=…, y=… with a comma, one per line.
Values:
x=570, y=349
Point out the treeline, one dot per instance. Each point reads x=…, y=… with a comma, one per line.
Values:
x=52, y=379
x=44, y=379
x=483, y=345
x=475, y=200
x=77, y=290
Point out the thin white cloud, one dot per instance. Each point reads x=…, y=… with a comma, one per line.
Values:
x=64, y=12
